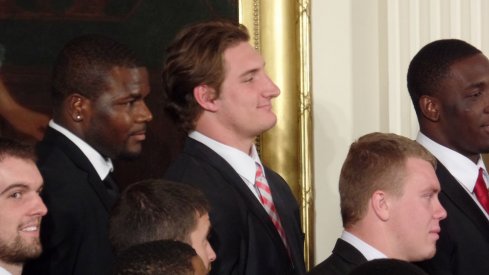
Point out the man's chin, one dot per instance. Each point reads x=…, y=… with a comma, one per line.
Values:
x=20, y=252
x=129, y=155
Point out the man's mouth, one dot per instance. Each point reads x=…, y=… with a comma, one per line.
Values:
x=31, y=227
x=139, y=135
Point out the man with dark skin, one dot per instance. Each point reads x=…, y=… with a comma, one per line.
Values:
x=99, y=114
x=448, y=81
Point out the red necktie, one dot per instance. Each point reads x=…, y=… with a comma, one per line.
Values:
x=480, y=191
x=267, y=201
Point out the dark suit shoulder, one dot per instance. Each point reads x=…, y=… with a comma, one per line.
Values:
x=243, y=235
x=74, y=231
x=344, y=258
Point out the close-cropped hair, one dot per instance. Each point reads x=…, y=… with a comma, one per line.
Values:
x=83, y=64
x=13, y=148
x=163, y=257
x=155, y=210
x=431, y=65
x=375, y=161
x=195, y=57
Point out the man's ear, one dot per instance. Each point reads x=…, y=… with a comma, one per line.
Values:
x=77, y=107
x=379, y=204
x=206, y=97
x=430, y=107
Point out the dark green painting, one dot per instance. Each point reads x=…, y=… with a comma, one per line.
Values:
x=33, y=31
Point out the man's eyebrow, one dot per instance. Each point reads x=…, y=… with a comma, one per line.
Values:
x=431, y=189
x=252, y=71
x=12, y=186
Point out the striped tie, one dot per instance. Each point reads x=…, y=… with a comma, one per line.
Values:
x=267, y=202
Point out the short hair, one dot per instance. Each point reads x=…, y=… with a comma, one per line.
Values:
x=84, y=63
x=155, y=210
x=431, y=65
x=156, y=258
x=13, y=148
x=375, y=161
x=195, y=57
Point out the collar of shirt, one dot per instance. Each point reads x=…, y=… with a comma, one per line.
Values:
x=102, y=165
x=3, y=271
x=461, y=167
x=367, y=250
x=242, y=163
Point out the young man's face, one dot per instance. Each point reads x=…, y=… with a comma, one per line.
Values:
x=117, y=120
x=415, y=216
x=199, y=241
x=245, y=100
x=21, y=210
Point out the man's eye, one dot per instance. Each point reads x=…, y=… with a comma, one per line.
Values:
x=476, y=94
x=16, y=195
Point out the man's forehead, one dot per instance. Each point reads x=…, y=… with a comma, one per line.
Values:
x=243, y=56
x=19, y=172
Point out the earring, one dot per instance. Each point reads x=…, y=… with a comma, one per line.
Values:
x=78, y=117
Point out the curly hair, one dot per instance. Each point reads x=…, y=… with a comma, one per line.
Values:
x=84, y=63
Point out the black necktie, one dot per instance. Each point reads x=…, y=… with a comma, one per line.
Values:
x=112, y=189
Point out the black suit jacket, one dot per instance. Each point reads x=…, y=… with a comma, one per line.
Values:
x=463, y=247
x=344, y=259
x=243, y=235
x=74, y=233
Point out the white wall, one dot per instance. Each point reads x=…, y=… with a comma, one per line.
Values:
x=360, y=53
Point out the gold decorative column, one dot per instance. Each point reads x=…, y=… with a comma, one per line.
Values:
x=280, y=30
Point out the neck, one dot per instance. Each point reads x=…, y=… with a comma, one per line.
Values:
x=15, y=269
x=229, y=138
x=441, y=139
x=372, y=233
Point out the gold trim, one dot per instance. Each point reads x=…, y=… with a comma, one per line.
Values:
x=280, y=29
x=306, y=130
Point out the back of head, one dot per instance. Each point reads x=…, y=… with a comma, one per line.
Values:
x=195, y=57
x=162, y=257
x=12, y=148
x=83, y=64
x=387, y=267
x=155, y=210
x=375, y=161
x=432, y=64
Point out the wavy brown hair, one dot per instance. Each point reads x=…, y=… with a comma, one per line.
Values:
x=195, y=57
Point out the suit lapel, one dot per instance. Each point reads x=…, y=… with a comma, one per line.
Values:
x=459, y=197
x=203, y=152
x=56, y=139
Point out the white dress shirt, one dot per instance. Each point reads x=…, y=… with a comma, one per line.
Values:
x=461, y=167
x=3, y=271
x=368, y=251
x=102, y=165
x=242, y=163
